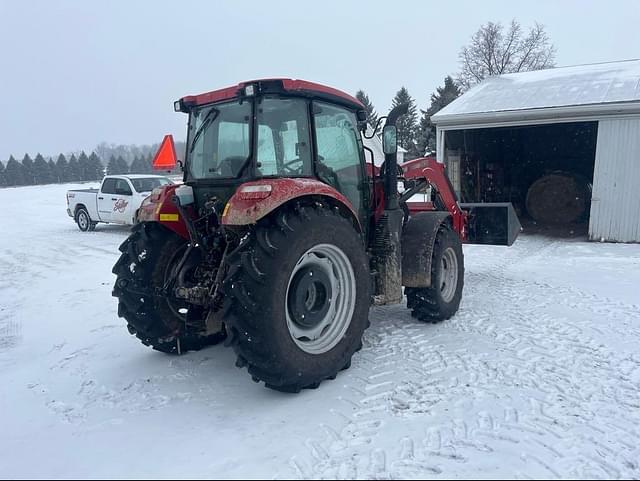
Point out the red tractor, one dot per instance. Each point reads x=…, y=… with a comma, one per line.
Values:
x=284, y=233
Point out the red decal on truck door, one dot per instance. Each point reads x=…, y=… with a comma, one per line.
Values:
x=120, y=205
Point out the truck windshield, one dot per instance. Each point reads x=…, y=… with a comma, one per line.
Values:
x=220, y=143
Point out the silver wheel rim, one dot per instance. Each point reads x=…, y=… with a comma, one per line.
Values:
x=82, y=220
x=337, y=291
x=448, y=274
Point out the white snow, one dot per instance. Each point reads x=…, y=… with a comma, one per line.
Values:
x=538, y=375
x=601, y=83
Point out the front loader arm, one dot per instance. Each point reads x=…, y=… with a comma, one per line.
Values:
x=479, y=223
x=429, y=169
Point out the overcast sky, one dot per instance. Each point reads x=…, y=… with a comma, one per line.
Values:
x=75, y=73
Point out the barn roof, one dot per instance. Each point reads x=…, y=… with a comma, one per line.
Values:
x=582, y=90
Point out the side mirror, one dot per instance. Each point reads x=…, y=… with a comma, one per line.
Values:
x=390, y=139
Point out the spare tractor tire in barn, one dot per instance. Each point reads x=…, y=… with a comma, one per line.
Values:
x=558, y=198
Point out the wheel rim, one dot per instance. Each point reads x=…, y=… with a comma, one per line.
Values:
x=448, y=274
x=320, y=299
x=83, y=222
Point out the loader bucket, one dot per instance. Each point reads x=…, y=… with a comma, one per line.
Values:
x=492, y=223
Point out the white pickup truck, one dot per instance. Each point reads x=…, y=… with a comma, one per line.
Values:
x=116, y=202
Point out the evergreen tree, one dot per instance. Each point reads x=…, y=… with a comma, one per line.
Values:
x=149, y=163
x=111, y=166
x=95, y=170
x=138, y=166
x=14, y=172
x=53, y=171
x=83, y=166
x=28, y=171
x=74, y=169
x=407, y=124
x=443, y=96
x=3, y=180
x=62, y=166
x=121, y=165
x=41, y=171
x=372, y=115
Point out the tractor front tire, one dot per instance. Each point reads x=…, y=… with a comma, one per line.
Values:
x=440, y=301
x=297, y=298
x=147, y=256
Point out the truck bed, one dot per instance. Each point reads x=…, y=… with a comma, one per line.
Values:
x=89, y=191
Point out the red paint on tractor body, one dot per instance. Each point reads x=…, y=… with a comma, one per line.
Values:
x=288, y=85
x=243, y=209
x=432, y=170
x=160, y=208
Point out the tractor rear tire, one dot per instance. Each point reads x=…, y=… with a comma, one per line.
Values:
x=147, y=255
x=440, y=301
x=297, y=298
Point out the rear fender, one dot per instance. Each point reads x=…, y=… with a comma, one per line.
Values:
x=255, y=200
x=418, y=239
x=159, y=207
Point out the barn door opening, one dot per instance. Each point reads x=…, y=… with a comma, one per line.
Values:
x=546, y=171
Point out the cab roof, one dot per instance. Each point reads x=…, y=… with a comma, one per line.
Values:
x=275, y=85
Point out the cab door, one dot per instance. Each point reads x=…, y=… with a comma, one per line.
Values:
x=339, y=154
x=105, y=199
x=121, y=202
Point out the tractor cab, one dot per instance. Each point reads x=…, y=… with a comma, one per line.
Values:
x=275, y=129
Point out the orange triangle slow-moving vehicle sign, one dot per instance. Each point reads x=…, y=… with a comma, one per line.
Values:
x=165, y=158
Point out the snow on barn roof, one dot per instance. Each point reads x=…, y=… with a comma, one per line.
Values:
x=596, y=89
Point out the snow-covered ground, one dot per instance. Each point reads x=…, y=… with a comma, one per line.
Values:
x=537, y=376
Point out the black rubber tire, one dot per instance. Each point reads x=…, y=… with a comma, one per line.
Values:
x=255, y=290
x=141, y=268
x=81, y=213
x=92, y=226
x=427, y=304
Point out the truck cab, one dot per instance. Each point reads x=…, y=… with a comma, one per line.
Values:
x=116, y=201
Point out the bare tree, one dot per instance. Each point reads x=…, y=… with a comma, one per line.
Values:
x=493, y=51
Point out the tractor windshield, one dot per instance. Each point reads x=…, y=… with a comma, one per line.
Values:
x=219, y=140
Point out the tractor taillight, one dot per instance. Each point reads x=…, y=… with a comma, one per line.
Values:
x=254, y=192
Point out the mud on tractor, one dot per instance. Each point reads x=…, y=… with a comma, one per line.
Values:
x=284, y=233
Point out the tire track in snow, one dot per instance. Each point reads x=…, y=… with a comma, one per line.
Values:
x=541, y=395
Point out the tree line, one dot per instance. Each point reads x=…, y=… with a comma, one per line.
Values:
x=416, y=133
x=492, y=50
x=79, y=168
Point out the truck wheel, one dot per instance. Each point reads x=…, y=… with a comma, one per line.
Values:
x=440, y=301
x=297, y=298
x=83, y=220
x=148, y=256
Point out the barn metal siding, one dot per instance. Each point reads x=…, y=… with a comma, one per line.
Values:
x=615, y=204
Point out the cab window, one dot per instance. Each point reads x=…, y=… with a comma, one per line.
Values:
x=284, y=146
x=339, y=148
x=122, y=187
x=109, y=186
